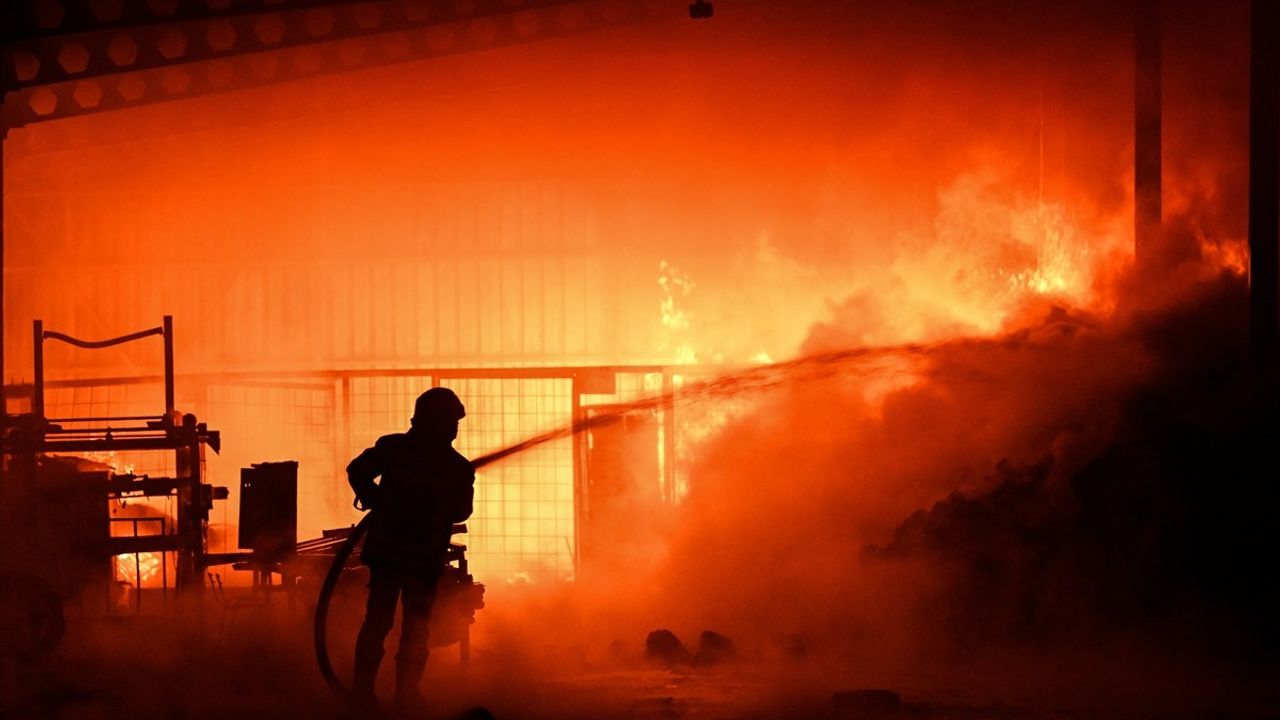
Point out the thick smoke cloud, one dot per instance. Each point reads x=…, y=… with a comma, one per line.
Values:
x=1063, y=476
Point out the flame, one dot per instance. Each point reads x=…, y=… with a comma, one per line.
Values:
x=1063, y=263
x=991, y=251
x=112, y=460
x=676, y=320
x=990, y=254
x=674, y=284
x=139, y=572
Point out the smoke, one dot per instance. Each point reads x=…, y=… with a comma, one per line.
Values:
x=817, y=178
x=1037, y=507
x=514, y=207
x=1034, y=515
x=1030, y=507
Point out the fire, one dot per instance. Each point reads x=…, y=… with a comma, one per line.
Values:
x=112, y=460
x=1063, y=257
x=139, y=572
x=676, y=321
x=991, y=253
x=874, y=199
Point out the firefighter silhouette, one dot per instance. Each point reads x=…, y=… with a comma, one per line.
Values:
x=426, y=487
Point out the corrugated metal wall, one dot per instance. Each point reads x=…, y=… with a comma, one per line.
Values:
x=265, y=280
x=349, y=277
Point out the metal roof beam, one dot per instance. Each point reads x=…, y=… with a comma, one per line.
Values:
x=25, y=20
x=63, y=58
x=343, y=48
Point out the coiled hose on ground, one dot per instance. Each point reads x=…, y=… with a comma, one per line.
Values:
x=322, y=605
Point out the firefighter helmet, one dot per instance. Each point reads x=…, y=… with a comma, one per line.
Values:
x=438, y=404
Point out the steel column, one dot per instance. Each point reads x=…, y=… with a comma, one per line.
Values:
x=169, y=403
x=4, y=379
x=1264, y=180
x=580, y=496
x=1147, y=131
x=37, y=394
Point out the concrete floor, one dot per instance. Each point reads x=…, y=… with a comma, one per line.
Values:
x=214, y=665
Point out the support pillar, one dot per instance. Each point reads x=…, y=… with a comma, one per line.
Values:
x=1264, y=180
x=4, y=379
x=1147, y=93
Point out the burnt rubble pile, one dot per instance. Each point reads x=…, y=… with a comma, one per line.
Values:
x=664, y=648
x=1168, y=535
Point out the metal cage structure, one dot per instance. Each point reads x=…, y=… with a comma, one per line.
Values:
x=533, y=513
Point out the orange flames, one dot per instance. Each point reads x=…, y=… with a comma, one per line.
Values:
x=140, y=571
x=990, y=253
x=509, y=208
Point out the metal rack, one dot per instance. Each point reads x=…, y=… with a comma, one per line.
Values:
x=30, y=437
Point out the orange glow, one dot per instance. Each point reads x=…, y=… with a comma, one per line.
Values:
x=813, y=333
x=1231, y=256
x=139, y=572
x=509, y=209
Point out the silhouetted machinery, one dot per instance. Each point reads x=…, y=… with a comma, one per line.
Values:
x=458, y=595
x=57, y=543
x=268, y=517
x=55, y=531
x=269, y=528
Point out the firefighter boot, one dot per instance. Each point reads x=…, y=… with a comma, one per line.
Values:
x=368, y=657
x=409, y=672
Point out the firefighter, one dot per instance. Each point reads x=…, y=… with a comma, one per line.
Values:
x=426, y=487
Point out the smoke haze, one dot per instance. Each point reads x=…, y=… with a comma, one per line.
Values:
x=1006, y=514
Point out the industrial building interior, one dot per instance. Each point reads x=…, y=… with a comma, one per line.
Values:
x=865, y=359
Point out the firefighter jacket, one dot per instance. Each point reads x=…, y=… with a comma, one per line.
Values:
x=426, y=487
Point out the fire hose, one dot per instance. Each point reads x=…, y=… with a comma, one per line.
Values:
x=322, y=604
x=357, y=532
x=755, y=379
